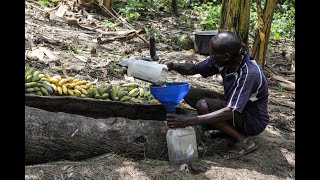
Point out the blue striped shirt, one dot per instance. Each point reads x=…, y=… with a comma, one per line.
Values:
x=245, y=90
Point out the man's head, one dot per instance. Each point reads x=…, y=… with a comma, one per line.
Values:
x=224, y=47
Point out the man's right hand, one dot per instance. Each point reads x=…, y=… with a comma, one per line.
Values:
x=168, y=63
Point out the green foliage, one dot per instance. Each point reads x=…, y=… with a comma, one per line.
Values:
x=47, y=3
x=209, y=15
x=283, y=23
x=183, y=41
x=130, y=8
x=185, y=18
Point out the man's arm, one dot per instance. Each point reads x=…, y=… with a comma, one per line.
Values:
x=213, y=117
x=184, y=68
x=175, y=120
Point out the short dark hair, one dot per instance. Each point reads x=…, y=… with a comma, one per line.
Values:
x=226, y=42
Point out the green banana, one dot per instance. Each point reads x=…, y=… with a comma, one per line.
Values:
x=30, y=84
x=44, y=91
x=29, y=90
x=134, y=92
x=130, y=85
x=105, y=96
x=125, y=98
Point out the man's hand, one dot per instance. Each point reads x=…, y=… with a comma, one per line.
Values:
x=168, y=63
x=178, y=121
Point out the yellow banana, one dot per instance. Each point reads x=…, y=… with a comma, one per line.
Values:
x=77, y=92
x=54, y=80
x=70, y=79
x=89, y=84
x=84, y=86
x=81, y=82
x=48, y=77
x=59, y=89
x=78, y=87
x=84, y=91
x=62, y=81
x=70, y=92
x=64, y=89
x=54, y=87
x=57, y=77
x=75, y=80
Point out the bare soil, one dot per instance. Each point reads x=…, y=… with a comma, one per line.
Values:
x=275, y=157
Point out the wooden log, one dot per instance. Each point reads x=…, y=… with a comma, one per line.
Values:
x=51, y=136
x=97, y=108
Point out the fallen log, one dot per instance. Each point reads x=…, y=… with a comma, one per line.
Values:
x=97, y=108
x=52, y=136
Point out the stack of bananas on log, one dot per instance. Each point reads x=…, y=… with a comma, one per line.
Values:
x=131, y=92
x=36, y=83
x=69, y=86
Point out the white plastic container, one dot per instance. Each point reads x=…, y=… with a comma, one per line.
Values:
x=182, y=145
x=148, y=71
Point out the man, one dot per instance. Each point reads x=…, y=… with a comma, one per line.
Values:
x=242, y=111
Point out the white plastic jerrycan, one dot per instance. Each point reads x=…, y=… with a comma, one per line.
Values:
x=150, y=71
x=182, y=145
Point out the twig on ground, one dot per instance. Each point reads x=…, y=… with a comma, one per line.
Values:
x=282, y=103
x=123, y=21
x=29, y=4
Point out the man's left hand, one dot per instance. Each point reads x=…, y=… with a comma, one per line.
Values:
x=177, y=121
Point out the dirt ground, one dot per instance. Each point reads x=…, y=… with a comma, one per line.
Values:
x=77, y=50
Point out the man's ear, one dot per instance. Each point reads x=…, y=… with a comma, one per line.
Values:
x=227, y=55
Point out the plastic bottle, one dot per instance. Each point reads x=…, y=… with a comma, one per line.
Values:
x=182, y=145
x=148, y=71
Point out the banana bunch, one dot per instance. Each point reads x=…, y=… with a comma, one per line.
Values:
x=100, y=91
x=69, y=86
x=36, y=83
x=122, y=92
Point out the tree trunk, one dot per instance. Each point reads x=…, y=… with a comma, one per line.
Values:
x=107, y=4
x=51, y=136
x=203, y=1
x=235, y=16
x=261, y=40
x=175, y=7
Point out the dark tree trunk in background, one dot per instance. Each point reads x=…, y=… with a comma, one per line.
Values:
x=175, y=7
x=235, y=16
x=107, y=4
